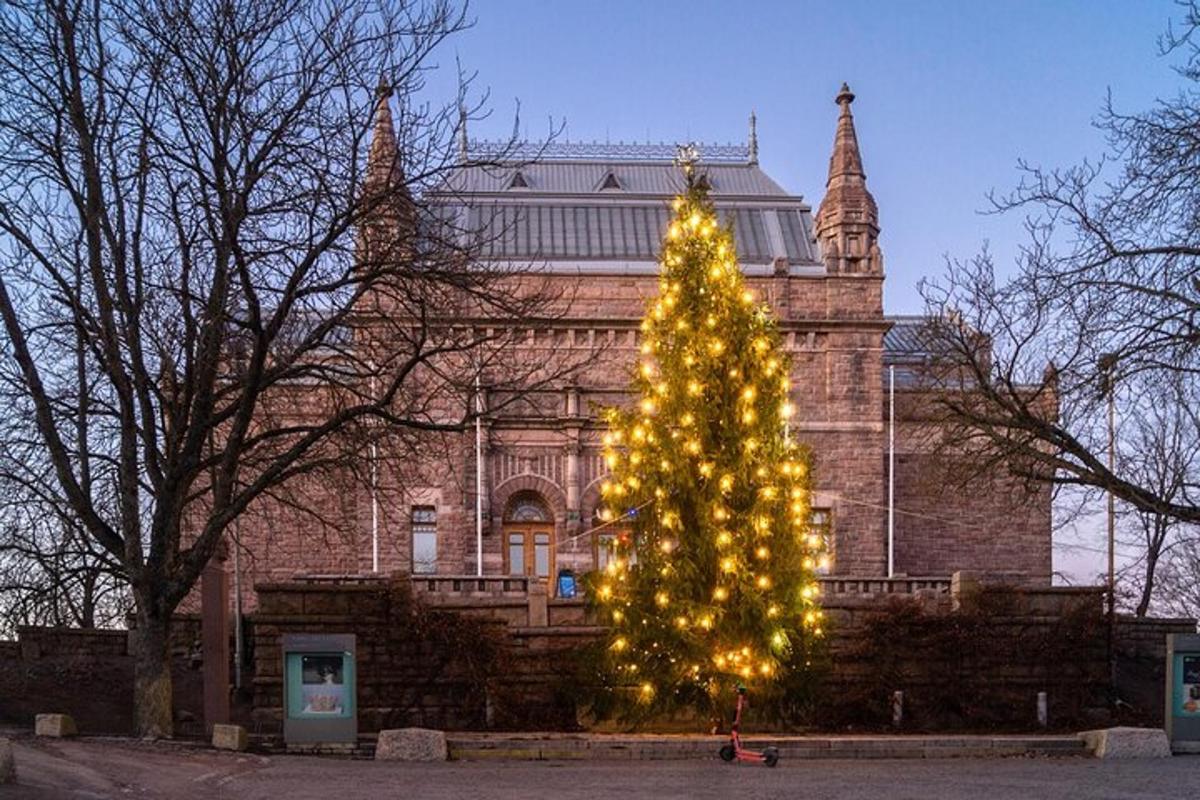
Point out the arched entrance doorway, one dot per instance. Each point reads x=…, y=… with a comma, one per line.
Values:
x=528, y=536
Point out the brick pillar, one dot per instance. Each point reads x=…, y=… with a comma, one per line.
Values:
x=214, y=640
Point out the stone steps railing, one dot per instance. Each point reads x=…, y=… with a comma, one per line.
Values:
x=518, y=585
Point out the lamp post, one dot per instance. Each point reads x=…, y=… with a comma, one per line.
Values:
x=1107, y=364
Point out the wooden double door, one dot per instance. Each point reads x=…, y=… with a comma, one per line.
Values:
x=529, y=549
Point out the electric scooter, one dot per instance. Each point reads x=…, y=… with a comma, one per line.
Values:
x=734, y=750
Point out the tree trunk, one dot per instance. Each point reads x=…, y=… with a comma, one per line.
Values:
x=1147, y=586
x=151, y=673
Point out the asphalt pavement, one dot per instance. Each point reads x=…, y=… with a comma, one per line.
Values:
x=92, y=769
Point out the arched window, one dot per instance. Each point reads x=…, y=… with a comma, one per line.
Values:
x=527, y=507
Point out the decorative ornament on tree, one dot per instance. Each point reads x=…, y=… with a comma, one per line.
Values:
x=712, y=579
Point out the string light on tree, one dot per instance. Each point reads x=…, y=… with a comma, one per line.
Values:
x=714, y=583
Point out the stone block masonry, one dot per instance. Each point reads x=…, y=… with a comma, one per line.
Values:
x=56, y=726
x=411, y=744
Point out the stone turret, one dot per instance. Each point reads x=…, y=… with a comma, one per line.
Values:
x=847, y=222
x=387, y=205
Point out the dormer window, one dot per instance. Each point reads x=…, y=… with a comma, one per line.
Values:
x=518, y=181
x=610, y=182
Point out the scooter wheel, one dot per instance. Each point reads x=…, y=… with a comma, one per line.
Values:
x=770, y=756
x=728, y=753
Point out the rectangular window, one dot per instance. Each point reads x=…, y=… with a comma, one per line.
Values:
x=424, y=539
x=822, y=525
x=606, y=549
x=541, y=555
x=516, y=553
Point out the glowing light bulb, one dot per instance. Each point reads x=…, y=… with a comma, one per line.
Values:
x=618, y=615
x=728, y=565
x=619, y=644
x=786, y=410
x=605, y=592
x=720, y=514
x=666, y=546
x=721, y=594
x=662, y=599
x=763, y=582
x=726, y=483
x=747, y=297
x=723, y=538
x=694, y=219
x=694, y=388
x=687, y=419
x=706, y=622
x=681, y=622
x=647, y=406
x=772, y=610
x=748, y=416
x=762, y=553
x=749, y=393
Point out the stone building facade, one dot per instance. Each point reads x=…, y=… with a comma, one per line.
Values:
x=590, y=218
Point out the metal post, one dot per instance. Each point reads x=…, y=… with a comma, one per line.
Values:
x=237, y=606
x=478, y=480
x=1107, y=365
x=1043, y=715
x=891, y=543
x=897, y=709
x=374, y=455
x=1112, y=515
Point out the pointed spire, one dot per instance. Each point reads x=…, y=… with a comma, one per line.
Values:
x=382, y=169
x=848, y=219
x=753, y=139
x=846, y=161
x=462, y=134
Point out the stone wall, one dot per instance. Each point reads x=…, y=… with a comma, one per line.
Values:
x=498, y=653
x=89, y=675
x=974, y=657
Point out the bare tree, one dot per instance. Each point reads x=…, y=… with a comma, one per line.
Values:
x=1106, y=293
x=1179, y=581
x=1158, y=450
x=206, y=291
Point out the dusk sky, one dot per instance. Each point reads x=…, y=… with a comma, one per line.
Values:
x=950, y=96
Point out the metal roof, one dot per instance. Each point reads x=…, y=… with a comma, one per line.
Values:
x=657, y=178
x=624, y=231
x=566, y=210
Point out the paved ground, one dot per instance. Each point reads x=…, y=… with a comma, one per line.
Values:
x=91, y=770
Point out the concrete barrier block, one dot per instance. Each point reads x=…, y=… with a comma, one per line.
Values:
x=56, y=725
x=229, y=737
x=8, y=767
x=1127, y=743
x=411, y=744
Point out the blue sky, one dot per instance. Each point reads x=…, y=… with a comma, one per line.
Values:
x=950, y=94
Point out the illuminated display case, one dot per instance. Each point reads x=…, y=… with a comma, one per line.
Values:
x=320, y=688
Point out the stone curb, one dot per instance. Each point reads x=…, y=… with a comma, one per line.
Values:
x=484, y=747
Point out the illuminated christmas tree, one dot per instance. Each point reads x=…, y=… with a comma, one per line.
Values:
x=712, y=579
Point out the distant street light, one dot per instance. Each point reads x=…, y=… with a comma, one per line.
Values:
x=1107, y=365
